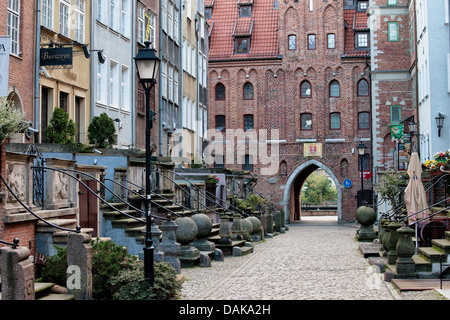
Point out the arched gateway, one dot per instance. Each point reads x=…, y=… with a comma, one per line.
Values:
x=294, y=186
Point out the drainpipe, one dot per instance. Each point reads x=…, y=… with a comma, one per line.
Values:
x=93, y=78
x=159, y=81
x=36, y=70
x=180, y=89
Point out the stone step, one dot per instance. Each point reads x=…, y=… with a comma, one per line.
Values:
x=64, y=223
x=445, y=213
x=58, y=296
x=61, y=236
x=441, y=245
x=43, y=291
x=422, y=265
x=113, y=204
x=126, y=223
x=430, y=254
x=447, y=235
x=114, y=214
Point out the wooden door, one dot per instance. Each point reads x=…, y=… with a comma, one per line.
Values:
x=89, y=206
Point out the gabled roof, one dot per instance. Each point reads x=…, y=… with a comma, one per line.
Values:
x=261, y=27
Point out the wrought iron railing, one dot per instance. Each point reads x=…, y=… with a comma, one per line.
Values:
x=13, y=244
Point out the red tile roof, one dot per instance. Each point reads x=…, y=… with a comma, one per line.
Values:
x=263, y=26
x=355, y=21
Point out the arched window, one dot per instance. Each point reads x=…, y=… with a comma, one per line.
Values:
x=335, y=121
x=248, y=91
x=305, y=89
x=306, y=121
x=220, y=92
x=363, y=88
x=334, y=89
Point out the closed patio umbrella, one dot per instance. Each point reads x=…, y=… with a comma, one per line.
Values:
x=415, y=197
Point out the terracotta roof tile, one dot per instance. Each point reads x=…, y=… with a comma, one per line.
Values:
x=243, y=26
x=264, y=34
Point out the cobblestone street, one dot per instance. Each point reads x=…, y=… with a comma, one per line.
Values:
x=314, y=260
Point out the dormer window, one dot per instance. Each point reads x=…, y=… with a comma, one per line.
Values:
x=363, y=5
x=208, y=13
x=242, y=44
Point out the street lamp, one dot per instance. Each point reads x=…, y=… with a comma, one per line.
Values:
x=361, y=152
x=147, y=66
x=439, y=122
x=412, y=130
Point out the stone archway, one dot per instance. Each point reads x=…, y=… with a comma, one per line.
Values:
x=295, y=183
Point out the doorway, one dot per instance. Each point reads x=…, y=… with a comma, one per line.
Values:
x=292, y=192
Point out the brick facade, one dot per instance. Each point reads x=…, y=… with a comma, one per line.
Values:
x=277, y=102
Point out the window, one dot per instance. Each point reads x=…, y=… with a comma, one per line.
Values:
x=141, y=23
x=362, y=40
x=112, y=14
x=175, y=24
x=102, y=84
x=363, y=88
x=208, y=13
x=248, y=91
x=393, y=31
x=396, y=116
x=13, y=25
x=306, y=121
x=152, y=26
x=164, y=79
x=245, y=11
x=175, y=86
x=79, y=21
x=305, y=90
x=312, y=42
x=124, y=20
x=248, y=122
x=64, y=18
x=125, y=89
x=331, y=41
x=364, y=163
x=64, y=101
x=170, y=76
x=220, y=123
x=334, y=89
x=335, y=121
x=242, y=44
x=248, y=163
x=292, y=42
x=163, y=17
x=47, y=14
x=170, y=19
x=363, y=5
x=113, y=84
x=391, y=2
x=363, y=120
x=220, y=92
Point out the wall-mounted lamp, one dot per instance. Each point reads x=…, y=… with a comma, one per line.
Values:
x=440, y=122
x=412, y=127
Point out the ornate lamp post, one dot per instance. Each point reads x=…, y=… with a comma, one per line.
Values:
x=412, y=130
x=361, y=152
x=147, y=66
x=439, y=122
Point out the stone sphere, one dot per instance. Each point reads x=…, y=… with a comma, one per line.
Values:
x=256, y=223
x=204, y=224
x=187, y=229
x=366, y=216
x=247, y=225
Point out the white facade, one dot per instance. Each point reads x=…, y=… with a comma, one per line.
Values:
x=433, y=70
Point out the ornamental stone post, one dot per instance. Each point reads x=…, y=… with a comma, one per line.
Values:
x=169, y=244
x=236, y=227
x=394, y=236
x=225, y=231
x=79, y=266
x=155, y=233
x=17, y=274
x=406, y=249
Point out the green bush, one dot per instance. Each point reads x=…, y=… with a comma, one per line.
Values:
x=11, y=120
x=61, y=128
x=131, y=285
x=101, y=131
x=116, y=274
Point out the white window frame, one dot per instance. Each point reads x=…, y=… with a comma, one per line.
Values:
x=141, y=23
x=113, y=24
x=176, y=20
x=170, y=19
x=164, y=79
x=13, y=25
x=79, y=21
x=125, y=88
x=176, y=77
x=163, y=18
x=102, y=11
x=64, y=18
x=47, y=11
x=113, y=82
x=124, y=20
x=102, y=84
x=170, y=76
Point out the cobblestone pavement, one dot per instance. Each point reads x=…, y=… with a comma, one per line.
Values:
x=314, y=260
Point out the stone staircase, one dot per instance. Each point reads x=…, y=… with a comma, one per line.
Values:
x=43, y=291
x=428, y=259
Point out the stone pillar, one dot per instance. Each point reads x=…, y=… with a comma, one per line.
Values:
x=277, y=220
x=366, y=216
x=381, y=236
x=236, y=227
x=394, y=236
x=17, y=274
x=270, y=223
x=79, y=266
x=169, y=244
x=385, y=242
x=155, y=234
x=225, y=231
x=406, y=249
x=204, y=227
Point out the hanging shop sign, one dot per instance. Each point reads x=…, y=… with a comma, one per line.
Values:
x=397, y=131
x=56, y=56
